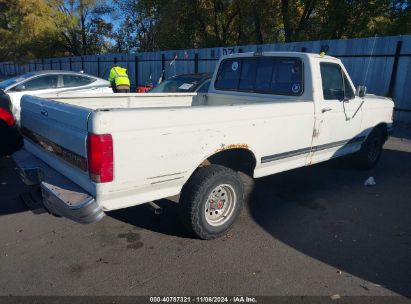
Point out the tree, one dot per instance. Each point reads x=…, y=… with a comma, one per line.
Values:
x=176, y=24
x=33, y=28
x=27, y=30
x=81, y=25
x=338, y=19
x=296, y=17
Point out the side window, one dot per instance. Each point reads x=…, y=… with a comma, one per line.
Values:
x=76, y=81
x=332, y=81
x=41, y=83
x=228, y=75
x=349, y=93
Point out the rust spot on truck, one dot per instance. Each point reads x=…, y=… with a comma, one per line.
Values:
x=234, y=146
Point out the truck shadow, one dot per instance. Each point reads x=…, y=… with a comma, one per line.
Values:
x=10, y=187
x=326, y=212
x=166, y=223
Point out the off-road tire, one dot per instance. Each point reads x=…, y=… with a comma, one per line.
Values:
x=195, y=195
x=371, y=150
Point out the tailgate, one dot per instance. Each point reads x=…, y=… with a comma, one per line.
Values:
x=57, y=134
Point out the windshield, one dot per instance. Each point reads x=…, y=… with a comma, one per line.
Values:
x=9, y=82
x=177, y=84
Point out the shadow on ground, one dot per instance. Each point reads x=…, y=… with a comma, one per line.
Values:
x=141, y=216
x=325, y=212
x=10, y=187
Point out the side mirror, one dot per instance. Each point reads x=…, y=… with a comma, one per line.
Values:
x=19, y=87
x=361, y=91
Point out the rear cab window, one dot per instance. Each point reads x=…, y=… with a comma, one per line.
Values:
x=264, y=75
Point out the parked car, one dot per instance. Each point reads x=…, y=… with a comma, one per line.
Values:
x=184, y=83
x=263, y=114
x=42, y=82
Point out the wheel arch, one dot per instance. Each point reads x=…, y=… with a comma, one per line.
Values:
x=236, y=157
x=383, y=126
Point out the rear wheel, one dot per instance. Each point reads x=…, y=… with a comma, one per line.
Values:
x=371, y=150
x=211, y=201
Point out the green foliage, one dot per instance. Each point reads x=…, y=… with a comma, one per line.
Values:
x=47, y=28
x=81, y=26
x=26, y=30
x=35, y=29
x=175, y=24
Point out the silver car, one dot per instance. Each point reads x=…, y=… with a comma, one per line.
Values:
x=43, y=82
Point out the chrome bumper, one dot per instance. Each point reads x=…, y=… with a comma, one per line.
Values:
x=59, y=195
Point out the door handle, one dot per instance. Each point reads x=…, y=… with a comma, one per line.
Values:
x=326, y=110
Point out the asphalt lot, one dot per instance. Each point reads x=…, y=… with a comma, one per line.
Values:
x=311, y=231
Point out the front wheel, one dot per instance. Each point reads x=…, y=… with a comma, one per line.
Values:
x=211, y=201
x=371, y=150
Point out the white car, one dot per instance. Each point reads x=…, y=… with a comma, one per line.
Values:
x=43, y=82
x=263, y=114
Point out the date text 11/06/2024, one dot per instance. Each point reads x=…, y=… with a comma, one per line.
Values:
x=235, y=299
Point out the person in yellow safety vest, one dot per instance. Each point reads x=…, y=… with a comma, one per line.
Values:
x=120, y=83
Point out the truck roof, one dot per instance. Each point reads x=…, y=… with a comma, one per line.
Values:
x=285, y=54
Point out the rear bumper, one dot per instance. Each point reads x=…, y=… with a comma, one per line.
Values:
x=59, y=195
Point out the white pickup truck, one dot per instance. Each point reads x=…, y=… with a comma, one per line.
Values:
x=264, y=113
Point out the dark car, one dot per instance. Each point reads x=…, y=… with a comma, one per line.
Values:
x=185, y=83
x=9, y=133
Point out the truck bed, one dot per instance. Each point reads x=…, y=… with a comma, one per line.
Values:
x=127, y=100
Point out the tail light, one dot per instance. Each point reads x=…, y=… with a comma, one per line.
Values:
x=7, y=117
x=100, y=157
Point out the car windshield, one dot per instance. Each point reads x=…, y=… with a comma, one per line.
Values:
x=177, y=84
x=9, y=82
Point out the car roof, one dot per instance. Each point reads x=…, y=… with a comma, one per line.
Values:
x=48, y=72
x=32, y=74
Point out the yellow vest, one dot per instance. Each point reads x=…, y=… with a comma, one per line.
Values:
x=118, y=76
